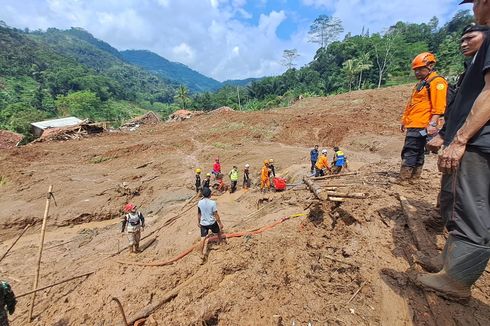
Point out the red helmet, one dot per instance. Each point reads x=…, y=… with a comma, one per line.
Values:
x=129, y=207
x=423, y=59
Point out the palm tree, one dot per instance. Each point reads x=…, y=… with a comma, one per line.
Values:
x=349, y=68
x=363, y=64
x=182, y=95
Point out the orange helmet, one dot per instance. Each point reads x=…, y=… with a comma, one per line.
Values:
x=423, y=59
x=266, y=162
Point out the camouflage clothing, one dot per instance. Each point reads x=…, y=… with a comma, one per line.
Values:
x=7, y=303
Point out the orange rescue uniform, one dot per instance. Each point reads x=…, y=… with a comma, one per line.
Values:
x=423, y=106
x=264, y=178
x=322, y=163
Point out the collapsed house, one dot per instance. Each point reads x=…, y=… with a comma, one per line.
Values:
x=65, y=129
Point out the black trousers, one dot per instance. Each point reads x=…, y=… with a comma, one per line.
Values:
x=413, y=152
x=313, y=163
x=470, y=210
x=233, y=186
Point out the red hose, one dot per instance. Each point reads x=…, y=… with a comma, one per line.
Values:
x=213, y=238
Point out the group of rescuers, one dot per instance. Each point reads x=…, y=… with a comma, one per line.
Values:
x=454, y=121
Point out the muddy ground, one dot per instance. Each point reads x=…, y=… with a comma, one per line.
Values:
x=340, y=264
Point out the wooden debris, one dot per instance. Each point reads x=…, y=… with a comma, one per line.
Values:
x=143, y=165
x=13, y=244
x=420, y=235
x=347, y=194
x=54, y=284
x=331, y=176
x=358, y=290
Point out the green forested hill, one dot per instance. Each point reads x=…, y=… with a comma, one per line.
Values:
x=58, y=73
x=176, y=72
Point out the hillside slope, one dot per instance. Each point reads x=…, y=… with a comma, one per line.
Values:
x=178, y=73
x=347, y=264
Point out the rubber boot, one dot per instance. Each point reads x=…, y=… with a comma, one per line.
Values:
x=137, y=248
x=405, y=174
x=417, y=172
x=464, y=263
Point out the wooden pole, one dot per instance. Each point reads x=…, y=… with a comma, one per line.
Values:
x=319, y=193
x=13, y=244
x=54, y=284
x=331, y=176
x=41, y=245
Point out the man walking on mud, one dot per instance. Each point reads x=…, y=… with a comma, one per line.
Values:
x=208, y=219
x=467, y=159
x=421, y=115
x=134, y=223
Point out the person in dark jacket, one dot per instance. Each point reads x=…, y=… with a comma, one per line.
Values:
x=7, y=302
x=313, y=158
x=466, y=157
x=198, y=181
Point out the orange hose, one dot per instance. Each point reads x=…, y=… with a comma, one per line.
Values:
x=213, y=238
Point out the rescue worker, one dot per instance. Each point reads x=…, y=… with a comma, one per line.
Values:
x=272, y=169
x=246, y=177
x=134, y=222
x=7, y=302
x=467, y=159
x=322, y=164
x=198, y=180
x=208, y=219
x=313, y=158
x=421, y=115
x=233, y=178
x=472, y=38
x=216, y=168
x=339, y=160
x=265, y=182
x=207, y=182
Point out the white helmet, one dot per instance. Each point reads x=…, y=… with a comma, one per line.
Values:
x=324, y=151
x=247, y=166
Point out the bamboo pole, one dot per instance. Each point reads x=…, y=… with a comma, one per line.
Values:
x=333, y=176
x=358, y=195
x=41, y=245
x=54, y=284
x=13, y=244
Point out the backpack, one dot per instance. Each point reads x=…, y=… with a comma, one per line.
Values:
x=8, y=297
x=451, y=90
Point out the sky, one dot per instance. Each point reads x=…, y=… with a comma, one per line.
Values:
x=223, y=39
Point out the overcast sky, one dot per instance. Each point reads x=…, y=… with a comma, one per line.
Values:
x=224, y=39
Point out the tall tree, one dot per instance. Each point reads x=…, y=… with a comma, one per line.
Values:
x=383, y=53
x=363, y=63
x=182, y=95
x=288, y=57
x=325, y=30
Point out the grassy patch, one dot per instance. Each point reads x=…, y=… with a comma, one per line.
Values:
x=3, y=181
x=99, y=159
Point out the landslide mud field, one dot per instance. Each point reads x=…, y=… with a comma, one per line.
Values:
x=330, y=263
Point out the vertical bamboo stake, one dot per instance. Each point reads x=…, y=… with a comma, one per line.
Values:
x=41, y=245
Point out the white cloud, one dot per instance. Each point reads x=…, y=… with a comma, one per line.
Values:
x=184, y=52
x=224, y=39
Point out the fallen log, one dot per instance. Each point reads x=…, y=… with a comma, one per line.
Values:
x=318, y=191
x=420, y=235
x=331, y=176
x=336, y=199
x=54, y=284
x=358, y=195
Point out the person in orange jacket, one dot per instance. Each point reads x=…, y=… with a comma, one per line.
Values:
x=420, y=118
x=264, y=177
x=322, y=164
